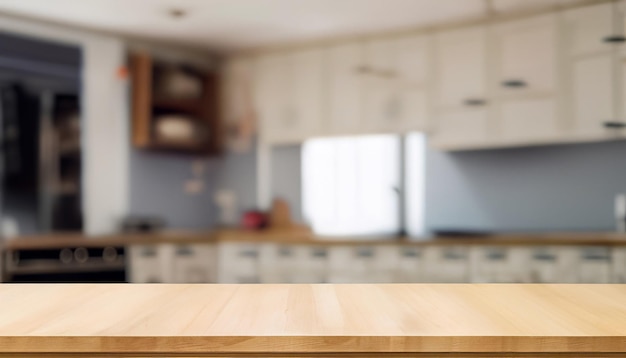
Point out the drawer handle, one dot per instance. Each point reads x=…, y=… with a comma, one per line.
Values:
x=365, y=252
x=451, y=255
x=284, y=252
x=411, y=253
x=475, y=102
x=319, y=253
x=514, y=83
x=148, y=252
x=248, y=253
x=496, y=256
x=184, y=251
x=544, y=257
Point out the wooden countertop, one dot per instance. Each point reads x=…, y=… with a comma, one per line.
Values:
x=304, y=319
x=61, y=240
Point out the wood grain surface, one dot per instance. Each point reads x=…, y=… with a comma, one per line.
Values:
x=300, y=320
x=297, y=236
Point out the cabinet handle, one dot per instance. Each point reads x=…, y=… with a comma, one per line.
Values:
x=410, y=253
x=248, y=253
x=475, y=102
x=612, y=39
x=365, y=252
x=614, y=124
x=184, y=251
x=363, y=69
x=319, y=253
x=284, y=252
x=148, y=252
x=514, y=83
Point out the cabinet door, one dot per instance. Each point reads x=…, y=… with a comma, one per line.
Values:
x=446, y=264
x=460, y=128
x=307, y=109
x=238, y=263
x=530, y=119
x=461, y=73
x=592, y=97
x=594, y=265
x=150, y=264
x=525, y=52
x=618, y=264
x=194, y=264
x=345, y=88
x=410, y=265
x=272, y=97
x=586, y=28
x=411, y=60
x=381, y=105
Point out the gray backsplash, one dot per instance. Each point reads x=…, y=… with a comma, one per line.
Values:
x=565, y=187
x=157, y=188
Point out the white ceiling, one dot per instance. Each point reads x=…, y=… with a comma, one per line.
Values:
x=229, y=25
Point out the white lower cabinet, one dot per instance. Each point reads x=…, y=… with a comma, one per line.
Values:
x=618, y=265
x=594, y=264
x=446, y=264
x=238, y=262
x=499, y=264
x=246, y=262
x=362, y=264
x=553, y=264
x=410, y=267
x=194, y=263
x=149, y=263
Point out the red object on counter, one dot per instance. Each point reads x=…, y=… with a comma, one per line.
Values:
x=254, y=219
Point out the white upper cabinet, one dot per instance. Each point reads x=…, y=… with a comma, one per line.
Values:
x=590, y=65
x=309, y=108
x=526, y=80
x=526, y=56
x=270, y=94
x=288, y=93
x=411, y=60
x=461, y=98
x=461, y=75
x=345, y=85
x=395, y=81
x=586, y=28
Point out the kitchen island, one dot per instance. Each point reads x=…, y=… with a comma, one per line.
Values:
x=404, y=320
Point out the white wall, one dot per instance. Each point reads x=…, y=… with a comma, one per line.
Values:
x=104, y=118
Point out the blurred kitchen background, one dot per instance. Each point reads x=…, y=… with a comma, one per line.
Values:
x=313, y=141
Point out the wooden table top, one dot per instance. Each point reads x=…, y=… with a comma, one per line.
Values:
x=236, y=319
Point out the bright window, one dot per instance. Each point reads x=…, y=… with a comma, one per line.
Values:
x=351, y=185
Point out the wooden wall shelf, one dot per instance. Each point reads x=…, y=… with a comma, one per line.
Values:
x=201, y=112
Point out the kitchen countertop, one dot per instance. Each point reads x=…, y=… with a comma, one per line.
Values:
x=300, y=320
x=61, y=240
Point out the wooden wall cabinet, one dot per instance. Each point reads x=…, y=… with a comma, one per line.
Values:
x=199, y=112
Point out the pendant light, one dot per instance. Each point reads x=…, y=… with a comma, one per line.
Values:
x=618, y=26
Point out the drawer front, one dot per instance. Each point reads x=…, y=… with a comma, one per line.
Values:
x=447, y=264
x=594, y=264
x=618, y=265
x=194, y=263
x=410, y=266
x=276, y=263
x=238, y=263
x=499, y=264
x=149, y=264
x=553, y=264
